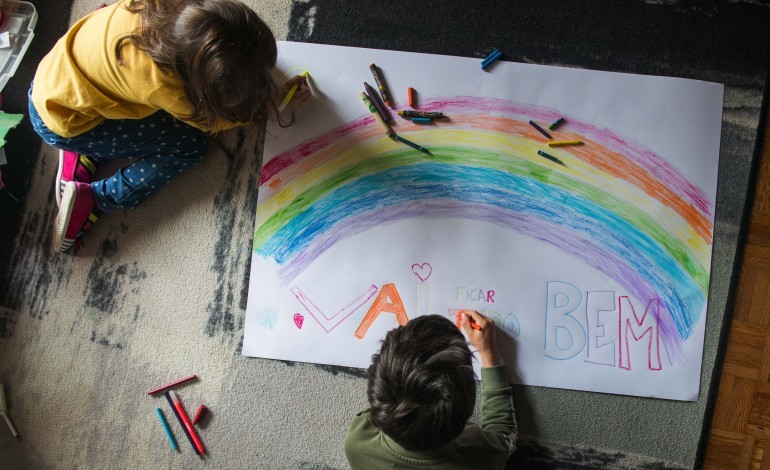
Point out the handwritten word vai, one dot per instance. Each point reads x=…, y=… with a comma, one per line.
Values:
x=603, y=330
x=387, y=300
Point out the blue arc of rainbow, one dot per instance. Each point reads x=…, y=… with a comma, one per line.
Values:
x=655, y=243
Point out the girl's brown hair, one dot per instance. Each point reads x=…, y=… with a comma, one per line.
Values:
x=223, y=52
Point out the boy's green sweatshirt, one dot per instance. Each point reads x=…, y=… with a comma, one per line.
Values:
x=485, y=446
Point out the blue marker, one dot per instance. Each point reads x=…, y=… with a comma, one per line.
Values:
x=166, y=428
x=421, y=120
x=491, y=58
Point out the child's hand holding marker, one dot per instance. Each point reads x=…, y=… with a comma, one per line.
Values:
x=296, y=91
x=480, y=331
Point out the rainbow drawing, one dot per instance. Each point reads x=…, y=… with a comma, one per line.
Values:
x=618, y=206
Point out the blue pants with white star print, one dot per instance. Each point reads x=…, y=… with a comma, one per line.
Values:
x=160, y=145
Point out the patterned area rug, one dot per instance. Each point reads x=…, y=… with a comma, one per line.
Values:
x=159, y=293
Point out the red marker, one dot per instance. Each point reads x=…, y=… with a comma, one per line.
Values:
x=410, y=96
x=186, y=421
x=199, y=413
x=172, y=384
x=181, y=423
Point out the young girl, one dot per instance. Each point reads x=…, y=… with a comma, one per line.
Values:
x=147, y=79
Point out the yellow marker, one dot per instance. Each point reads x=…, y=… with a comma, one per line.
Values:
x=563, y=143
x=290, y=95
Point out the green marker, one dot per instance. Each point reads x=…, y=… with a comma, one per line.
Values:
x=550, y=157
x=411, y=144
x=556, y=124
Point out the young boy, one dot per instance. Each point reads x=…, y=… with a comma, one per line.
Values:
x=421, y=393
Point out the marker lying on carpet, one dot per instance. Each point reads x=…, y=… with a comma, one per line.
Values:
x=181, y=422
x=411, y=144
x=540, y=129
x=556, y=123
x=550, y=157
x=564, y=143
x=199, y=414
x=4, y=412
x=164, y=423
x=172, y=384
x=186, y=422
x=422, y=120
x=490, y=59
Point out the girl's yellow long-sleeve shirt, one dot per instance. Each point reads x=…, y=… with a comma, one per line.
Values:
x=79, y=83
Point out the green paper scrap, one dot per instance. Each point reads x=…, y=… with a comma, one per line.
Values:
x=8, y=122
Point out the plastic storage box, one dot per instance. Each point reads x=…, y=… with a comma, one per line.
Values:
x=19, y=20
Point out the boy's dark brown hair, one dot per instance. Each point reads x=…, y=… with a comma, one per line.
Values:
x=223, y=52
x=421, y=385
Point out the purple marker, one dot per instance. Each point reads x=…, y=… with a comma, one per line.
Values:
x=378, y=105
x=540, y=129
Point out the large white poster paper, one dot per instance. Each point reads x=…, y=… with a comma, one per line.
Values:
x=595, y=262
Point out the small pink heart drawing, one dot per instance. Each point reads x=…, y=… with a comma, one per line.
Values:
x=299, y=320
x=422, y=271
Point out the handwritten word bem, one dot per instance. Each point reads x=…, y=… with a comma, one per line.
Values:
x=477, y=295
x=602, y=330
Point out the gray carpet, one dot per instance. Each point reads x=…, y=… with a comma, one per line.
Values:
x=159, y=293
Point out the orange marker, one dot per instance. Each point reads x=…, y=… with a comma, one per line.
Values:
x=410, y=95
x=459, y=314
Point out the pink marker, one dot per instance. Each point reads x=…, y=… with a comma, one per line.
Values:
x=172, y=384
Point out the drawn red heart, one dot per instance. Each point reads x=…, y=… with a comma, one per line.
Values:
x=299, y=320
x=422, y=271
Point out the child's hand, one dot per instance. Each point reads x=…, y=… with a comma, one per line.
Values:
x=482, y=337
x=301, y=95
